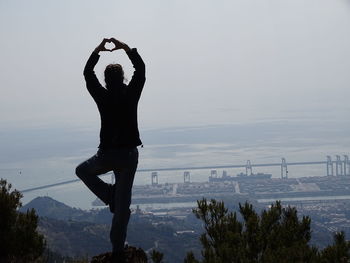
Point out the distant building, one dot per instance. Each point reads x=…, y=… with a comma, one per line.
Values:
x=239, y=177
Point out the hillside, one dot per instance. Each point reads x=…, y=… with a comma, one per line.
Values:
x=72, y=238
x=75, y=232
x=48, y=207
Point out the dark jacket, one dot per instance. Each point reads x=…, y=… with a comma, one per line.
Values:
x=118, y=106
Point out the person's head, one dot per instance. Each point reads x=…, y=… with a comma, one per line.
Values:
x=114, y=75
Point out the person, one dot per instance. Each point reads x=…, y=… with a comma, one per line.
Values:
x=119, y=138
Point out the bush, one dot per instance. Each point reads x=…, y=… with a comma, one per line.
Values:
x=276, y=235
x=19, y=239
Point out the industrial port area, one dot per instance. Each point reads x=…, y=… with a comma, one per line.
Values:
x=260, y=189
x=252, y=186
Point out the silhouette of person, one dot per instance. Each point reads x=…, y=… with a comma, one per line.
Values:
x=119, y=138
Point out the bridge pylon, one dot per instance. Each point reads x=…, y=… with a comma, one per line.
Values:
x=346, y=165
x=187, y=177
x=248, y=168
x=284, y=169
x=329, y=166
x=338, y=166
x=154, y=178
x=213, y=174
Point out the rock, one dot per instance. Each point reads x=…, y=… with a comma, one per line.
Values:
x=132, y=254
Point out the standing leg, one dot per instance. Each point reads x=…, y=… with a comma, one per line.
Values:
x=123, y=188
x=88, y=172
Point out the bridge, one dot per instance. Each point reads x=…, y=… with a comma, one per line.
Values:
x=342, y=167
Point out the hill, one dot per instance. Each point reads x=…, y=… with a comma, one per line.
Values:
x=75, y=239
x=77, y=233
x=48, y=207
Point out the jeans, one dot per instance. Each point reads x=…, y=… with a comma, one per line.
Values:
x=123, y=162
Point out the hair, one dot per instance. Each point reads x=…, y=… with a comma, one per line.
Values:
x=114, y=75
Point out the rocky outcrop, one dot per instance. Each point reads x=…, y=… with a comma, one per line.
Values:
x=133, y=255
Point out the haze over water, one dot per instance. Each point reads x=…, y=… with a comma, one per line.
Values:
x=215, y=145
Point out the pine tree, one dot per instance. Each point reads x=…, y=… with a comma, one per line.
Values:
x=276, y=235
x=19, y=239
x=156, y=256
x=339, y=252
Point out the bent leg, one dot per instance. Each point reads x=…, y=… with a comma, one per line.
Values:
x=88, y=172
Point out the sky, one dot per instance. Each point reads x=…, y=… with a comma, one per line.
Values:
x=217, y=71
x=207, y=61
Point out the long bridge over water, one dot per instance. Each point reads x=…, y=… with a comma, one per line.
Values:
x=342, y=167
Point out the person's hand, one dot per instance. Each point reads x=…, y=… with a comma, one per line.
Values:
x=101, y=46
x=119, y=45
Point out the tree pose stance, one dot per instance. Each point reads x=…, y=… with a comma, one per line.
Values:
x=119, y=138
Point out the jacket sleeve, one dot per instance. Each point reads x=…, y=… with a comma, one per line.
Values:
x=94, y=87
x=139, y=77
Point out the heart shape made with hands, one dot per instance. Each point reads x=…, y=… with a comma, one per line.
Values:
x=109, y=46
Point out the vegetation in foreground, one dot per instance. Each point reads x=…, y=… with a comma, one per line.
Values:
x=277, y=234
x=19, y=239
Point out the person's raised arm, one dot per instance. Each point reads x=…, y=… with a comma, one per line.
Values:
x=139, y=77
x=93, y=85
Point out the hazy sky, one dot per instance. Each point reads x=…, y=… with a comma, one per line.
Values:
x=208, y=62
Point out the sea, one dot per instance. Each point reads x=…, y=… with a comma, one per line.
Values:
x=39, y=157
